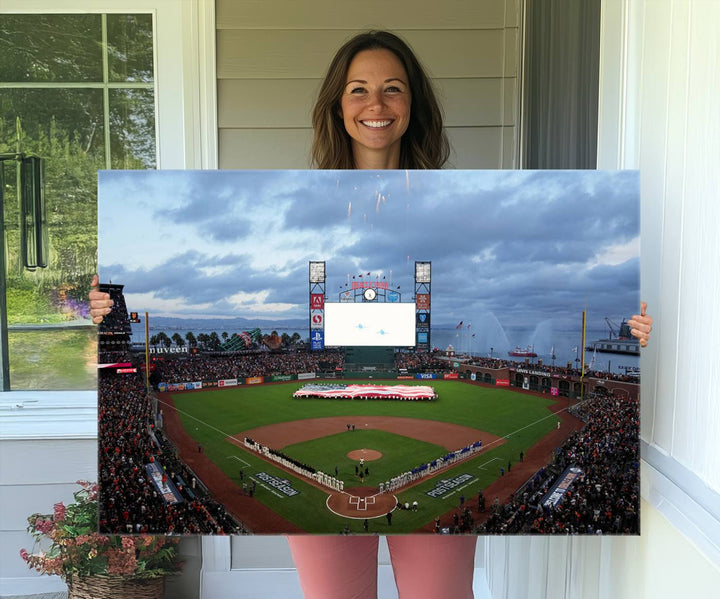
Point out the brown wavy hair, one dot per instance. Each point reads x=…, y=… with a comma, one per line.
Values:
x=423, y=146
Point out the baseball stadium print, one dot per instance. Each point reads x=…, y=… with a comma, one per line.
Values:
x=362, y=352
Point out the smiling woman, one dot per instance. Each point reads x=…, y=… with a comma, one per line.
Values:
x=375, y=108
x=363, y=117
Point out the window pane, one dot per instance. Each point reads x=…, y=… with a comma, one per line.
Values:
x=55, y=359
x=130, y=48
x=50, y=48
x=132, y=128
x=54, y=121
x=65, y=127
x=52, y=344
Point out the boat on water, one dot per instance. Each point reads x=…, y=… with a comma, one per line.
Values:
x=620, y=341
x=519, y=352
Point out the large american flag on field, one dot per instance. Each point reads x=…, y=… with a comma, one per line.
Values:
x=340, y=391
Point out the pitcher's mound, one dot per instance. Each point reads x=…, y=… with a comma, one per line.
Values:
x=366, y=454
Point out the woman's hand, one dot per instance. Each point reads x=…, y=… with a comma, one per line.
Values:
x=100, y=303
x=641, y=325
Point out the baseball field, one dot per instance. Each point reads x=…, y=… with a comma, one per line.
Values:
x=390, y=436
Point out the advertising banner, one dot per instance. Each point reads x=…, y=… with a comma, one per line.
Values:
x=317, y=319
x=168, y=350
x=422, y=301
x=162, y=387
x=554, y=391
x=557, y=492
x=165, y=487
x=282, y=377
x=450, y=375
x=423, y=318
x=347, y=296
x=502, y=382
x=254, y=380
x=422, y=337
x=393, y=297
x=208, y=384
x=126, y=370
x=404, y=376
x=526, y=383
x=306, y=375
x=317, y=340
x=317, y=301
x=473, y=376
x=227, y=383
x=426, y=375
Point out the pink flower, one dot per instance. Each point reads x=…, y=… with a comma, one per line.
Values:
x=43, y=526
x=59, y=512
x=24, y=555
x=128, y=543
x=121, y=562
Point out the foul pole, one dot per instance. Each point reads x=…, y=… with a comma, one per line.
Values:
x=582, y=360
x=147, y=355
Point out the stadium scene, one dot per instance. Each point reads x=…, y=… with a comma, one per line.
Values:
x=354, y=401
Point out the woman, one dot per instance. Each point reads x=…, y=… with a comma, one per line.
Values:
x=377, y=110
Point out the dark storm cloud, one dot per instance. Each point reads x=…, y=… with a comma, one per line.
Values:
x=517, y=244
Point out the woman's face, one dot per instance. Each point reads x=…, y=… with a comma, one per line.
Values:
x=375, y=103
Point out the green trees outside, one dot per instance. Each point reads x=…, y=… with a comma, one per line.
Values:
x=62, y=116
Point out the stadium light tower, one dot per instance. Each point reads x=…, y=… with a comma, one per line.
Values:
x=422, y=305
x=316, y=305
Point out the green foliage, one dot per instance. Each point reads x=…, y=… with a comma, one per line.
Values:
x=27, y=303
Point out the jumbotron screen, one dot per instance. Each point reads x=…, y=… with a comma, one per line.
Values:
x=370, y=324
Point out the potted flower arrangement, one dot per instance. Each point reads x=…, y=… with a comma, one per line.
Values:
x=94, y=565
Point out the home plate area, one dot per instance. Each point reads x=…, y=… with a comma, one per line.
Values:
x=361, y=503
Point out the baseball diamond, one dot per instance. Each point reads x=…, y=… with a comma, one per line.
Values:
x=313, y=444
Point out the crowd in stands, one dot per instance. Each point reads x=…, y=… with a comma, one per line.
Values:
x=604, y=498
x=209, y=367
x=113, y=357
x=128, y=441
x=421, y=362
x=550, y=370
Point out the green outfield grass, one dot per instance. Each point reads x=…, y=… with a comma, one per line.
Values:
x=211, y=416
x=326, y=453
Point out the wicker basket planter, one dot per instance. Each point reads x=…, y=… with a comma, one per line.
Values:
x=116, y=587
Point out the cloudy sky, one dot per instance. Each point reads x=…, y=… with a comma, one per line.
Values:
x=520, y=246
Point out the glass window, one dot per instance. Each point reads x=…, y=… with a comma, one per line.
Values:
x=78, y=91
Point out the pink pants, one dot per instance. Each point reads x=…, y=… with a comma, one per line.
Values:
x=425, y=566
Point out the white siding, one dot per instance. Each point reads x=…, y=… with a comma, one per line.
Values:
x=271, y=59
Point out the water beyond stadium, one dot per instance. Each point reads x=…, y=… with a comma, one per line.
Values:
x=562, y=342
